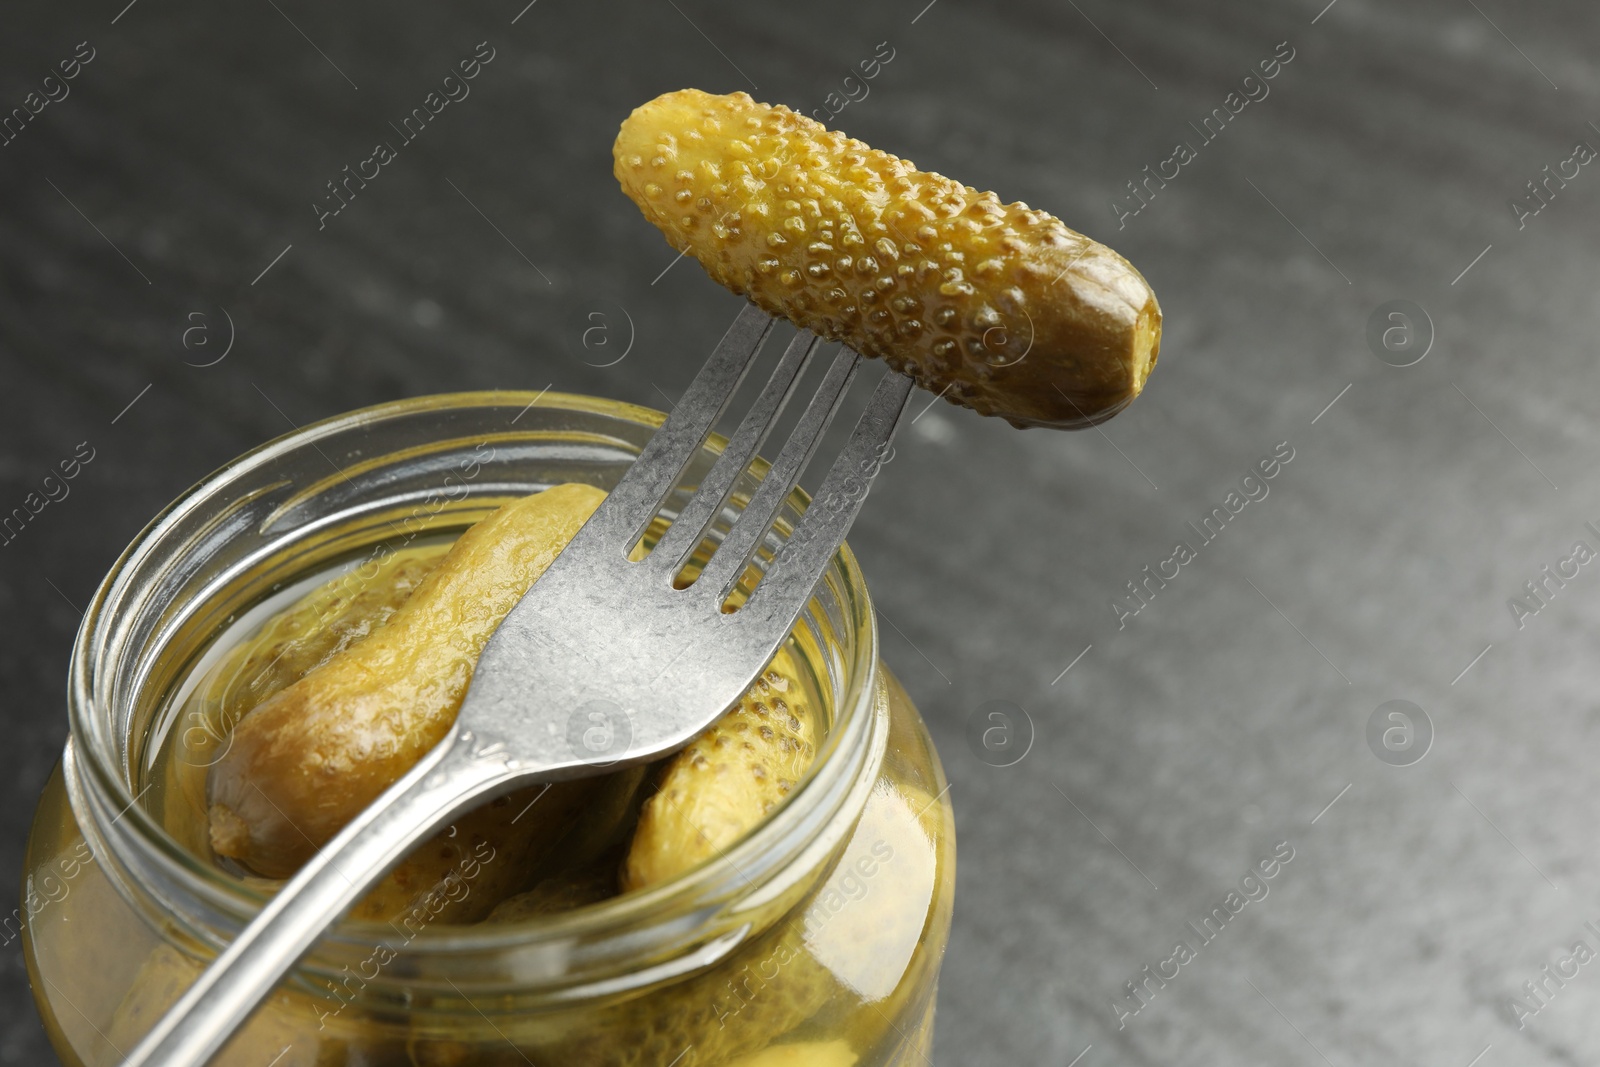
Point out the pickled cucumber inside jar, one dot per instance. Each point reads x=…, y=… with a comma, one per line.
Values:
x=314, y=705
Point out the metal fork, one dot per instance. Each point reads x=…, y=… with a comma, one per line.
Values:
x=605, y=662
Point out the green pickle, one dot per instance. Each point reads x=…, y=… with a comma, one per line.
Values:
x=826, y=979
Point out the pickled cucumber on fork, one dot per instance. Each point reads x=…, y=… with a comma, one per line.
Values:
x=305, y=761
x=996, y=306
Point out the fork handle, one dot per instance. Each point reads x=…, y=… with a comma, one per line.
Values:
x=447, y=781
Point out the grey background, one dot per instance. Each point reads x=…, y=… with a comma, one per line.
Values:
x=1177, y=751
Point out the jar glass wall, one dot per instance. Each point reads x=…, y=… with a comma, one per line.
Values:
x=815, y=940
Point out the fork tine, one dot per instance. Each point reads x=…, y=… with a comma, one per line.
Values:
x=734, y=553
x=633, y=504
x=799, y=563
x=686, y=531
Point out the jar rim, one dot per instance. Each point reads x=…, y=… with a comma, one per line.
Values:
x=101, y=774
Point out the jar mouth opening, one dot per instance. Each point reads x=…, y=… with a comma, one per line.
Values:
x=168, y=586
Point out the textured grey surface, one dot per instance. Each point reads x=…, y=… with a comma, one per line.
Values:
x=1178, y=750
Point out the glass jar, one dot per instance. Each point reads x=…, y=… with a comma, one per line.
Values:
x=815, y=940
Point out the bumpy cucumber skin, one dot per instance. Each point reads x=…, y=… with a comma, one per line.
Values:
x=997, y=306
x=304, y=762
x=462, y=872
x=726, y=782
